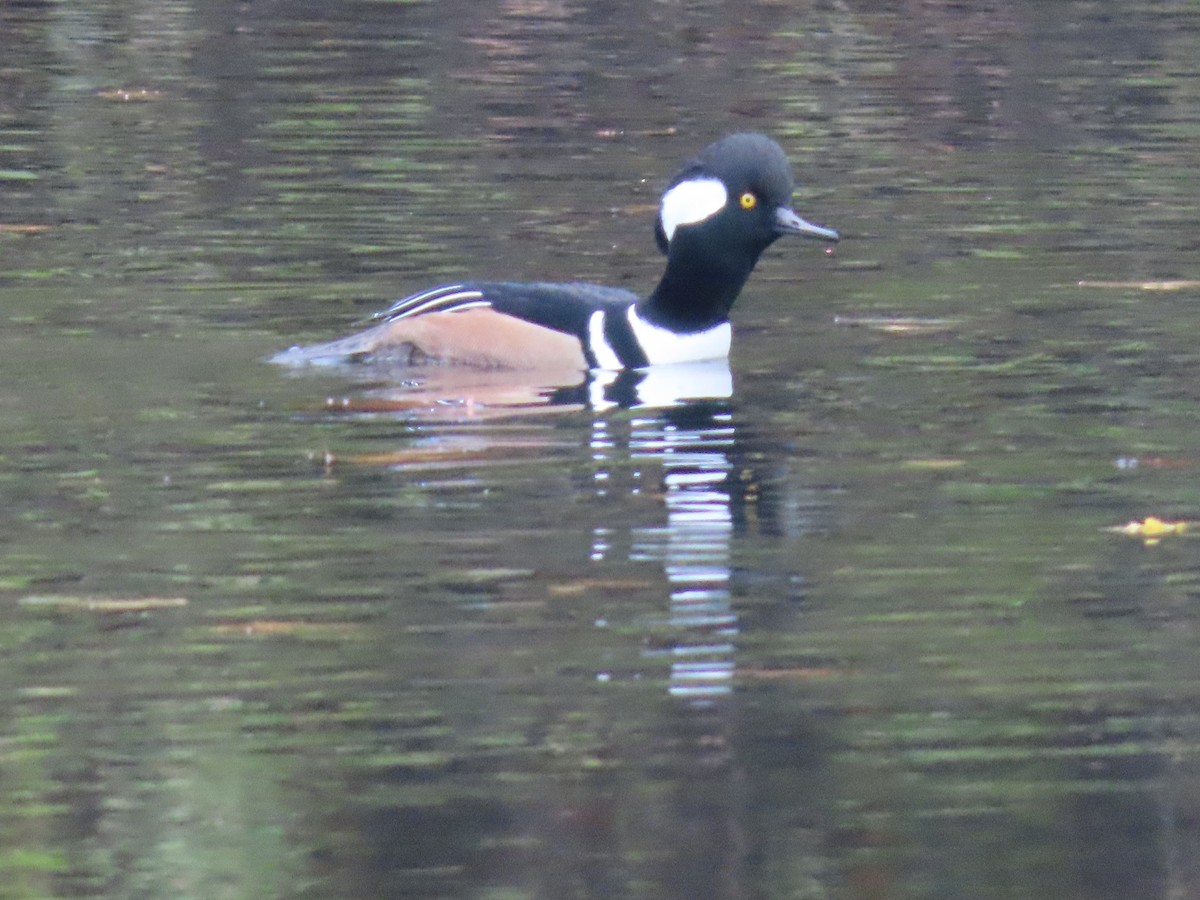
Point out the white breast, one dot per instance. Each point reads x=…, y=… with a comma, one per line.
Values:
x=664, y=347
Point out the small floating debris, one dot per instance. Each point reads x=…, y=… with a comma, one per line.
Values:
x=855, y=265
x=22, y=228
x=291, y=628
x=580, y=586
x=614, y=132
x=129, y=95
x=1151, y=529
x=896, y=324
x=1130, y=463
x=1178, y=284
x=788, y=673
x=73, y=602
x=933, y=464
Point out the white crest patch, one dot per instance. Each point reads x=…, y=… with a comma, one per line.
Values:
x=606, y=357
x=663, y=346
x=690, y=202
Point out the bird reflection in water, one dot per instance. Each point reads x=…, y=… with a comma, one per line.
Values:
x=691, y=443
x=675, y=418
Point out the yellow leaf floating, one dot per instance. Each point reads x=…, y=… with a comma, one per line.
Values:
x=1151, y=529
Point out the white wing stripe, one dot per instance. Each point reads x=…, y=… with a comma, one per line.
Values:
x=453, y=296
x=403, y=303
x=453, y=300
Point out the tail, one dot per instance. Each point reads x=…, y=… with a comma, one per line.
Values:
x=361, y=347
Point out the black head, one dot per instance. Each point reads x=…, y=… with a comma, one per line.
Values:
x=717, y=216
x=737, y=191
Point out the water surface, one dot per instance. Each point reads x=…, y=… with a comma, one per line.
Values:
x=863, y=625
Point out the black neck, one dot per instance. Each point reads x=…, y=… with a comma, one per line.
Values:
x=697, y=291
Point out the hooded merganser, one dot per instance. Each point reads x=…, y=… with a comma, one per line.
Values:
x=717, y=216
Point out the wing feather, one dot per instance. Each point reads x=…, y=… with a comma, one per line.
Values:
x=447, y=298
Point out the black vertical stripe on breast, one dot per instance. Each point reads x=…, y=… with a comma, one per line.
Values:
x=619, y=334
x=588, y=356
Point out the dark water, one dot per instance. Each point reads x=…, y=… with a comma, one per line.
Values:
x=858, y=627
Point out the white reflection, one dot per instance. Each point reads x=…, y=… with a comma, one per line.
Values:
x=660, y=387
x=679, y=420
x=692, y=444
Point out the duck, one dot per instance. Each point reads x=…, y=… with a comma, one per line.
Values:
x=717, y=215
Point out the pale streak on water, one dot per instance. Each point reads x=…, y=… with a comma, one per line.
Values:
x=870, y=623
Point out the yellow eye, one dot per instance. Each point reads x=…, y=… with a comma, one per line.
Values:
x=748, y=200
